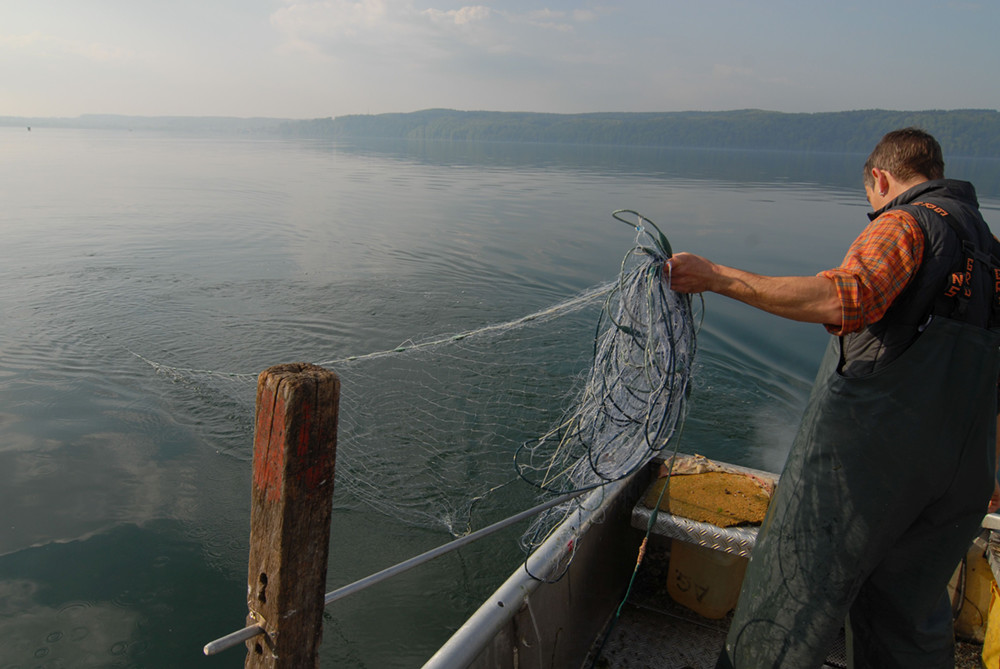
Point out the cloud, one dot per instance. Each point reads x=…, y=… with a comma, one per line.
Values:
x=411, y=54
x=333, y=17
x=737, y=76
x=459, y=17
x=546, y=18
x=38, y=44
x=728, y=71
x=334, y=27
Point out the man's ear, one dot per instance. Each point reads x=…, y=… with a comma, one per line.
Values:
x=882, y=183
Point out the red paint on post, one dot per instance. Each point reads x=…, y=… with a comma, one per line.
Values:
x=269, y=456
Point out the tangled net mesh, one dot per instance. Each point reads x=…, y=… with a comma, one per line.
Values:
x=428, y=429
x=633, y=401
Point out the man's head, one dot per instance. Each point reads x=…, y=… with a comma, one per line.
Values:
x=907, y=154
x=901, y=159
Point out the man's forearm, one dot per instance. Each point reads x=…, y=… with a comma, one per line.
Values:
x=812, y=299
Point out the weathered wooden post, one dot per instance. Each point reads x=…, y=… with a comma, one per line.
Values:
x=295, y=444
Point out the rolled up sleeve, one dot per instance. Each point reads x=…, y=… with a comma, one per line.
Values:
x=877, y=268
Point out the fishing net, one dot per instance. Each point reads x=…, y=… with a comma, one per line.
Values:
x=428, y=429
x=633, y=400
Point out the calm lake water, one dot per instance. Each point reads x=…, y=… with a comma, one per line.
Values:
x=146, y=279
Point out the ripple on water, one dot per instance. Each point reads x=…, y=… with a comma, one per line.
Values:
x=76, y=634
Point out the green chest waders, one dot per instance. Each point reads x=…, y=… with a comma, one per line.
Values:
x=885, y=486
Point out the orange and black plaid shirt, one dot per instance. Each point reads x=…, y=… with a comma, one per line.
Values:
x=876, y=269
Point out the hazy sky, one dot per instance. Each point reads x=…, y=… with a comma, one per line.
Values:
x=318, y=58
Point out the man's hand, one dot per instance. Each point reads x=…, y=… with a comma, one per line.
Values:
x=688, y=273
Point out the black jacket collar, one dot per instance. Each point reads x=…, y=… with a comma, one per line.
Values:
x=961, y=190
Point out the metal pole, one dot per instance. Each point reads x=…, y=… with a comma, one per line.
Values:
x=378, y=577
x=238, y=637
x=233, y=639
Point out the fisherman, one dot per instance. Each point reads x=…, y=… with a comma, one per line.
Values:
x=894, y=463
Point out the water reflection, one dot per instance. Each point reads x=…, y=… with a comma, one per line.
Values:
x=838, y=171
x=129, y=597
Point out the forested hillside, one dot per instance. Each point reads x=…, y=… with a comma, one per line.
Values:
x=970, y=132
x=961, y=132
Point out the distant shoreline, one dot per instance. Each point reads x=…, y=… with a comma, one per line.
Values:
x=970, y=133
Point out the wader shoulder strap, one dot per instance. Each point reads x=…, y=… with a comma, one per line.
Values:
x=954, y=302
